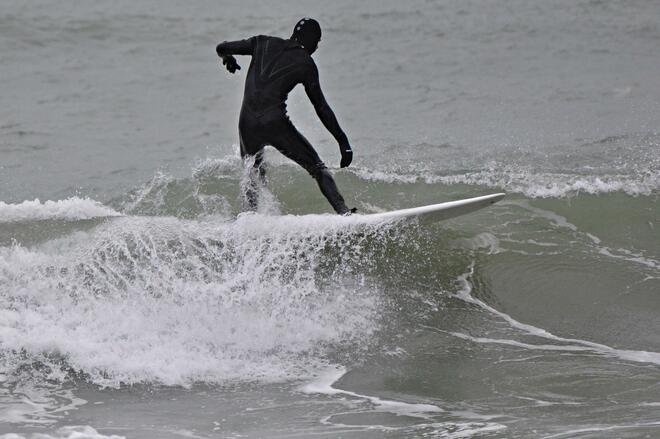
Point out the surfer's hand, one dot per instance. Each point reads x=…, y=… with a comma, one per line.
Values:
x=231, y=64
x=346, y=156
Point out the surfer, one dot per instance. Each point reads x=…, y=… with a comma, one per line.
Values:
x=276, y=67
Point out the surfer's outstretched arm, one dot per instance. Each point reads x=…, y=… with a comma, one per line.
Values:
x=327, y=116
x=227, y=49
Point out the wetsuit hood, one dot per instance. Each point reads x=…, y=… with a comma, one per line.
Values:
x=308, y=33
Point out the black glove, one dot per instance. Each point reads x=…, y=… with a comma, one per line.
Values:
x=346, y=156
x=231, y=63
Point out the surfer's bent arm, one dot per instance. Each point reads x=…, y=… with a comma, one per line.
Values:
x=240, y=47
x=227, y=49
x=323, y=110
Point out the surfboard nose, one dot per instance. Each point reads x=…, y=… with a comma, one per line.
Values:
x=437, y=212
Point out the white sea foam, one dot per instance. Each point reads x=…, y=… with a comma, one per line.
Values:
x=485, y=240
x=70, y=209
x=171, y=301
x=69, y=432
x=384, y=176
x=527, y=182
x=38, y=404
x=224, y=167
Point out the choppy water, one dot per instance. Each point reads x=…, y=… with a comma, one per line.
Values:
x=136, y=300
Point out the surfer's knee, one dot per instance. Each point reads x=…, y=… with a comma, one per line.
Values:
x=319, y=171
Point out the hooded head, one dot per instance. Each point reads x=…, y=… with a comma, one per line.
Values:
x=308, y=33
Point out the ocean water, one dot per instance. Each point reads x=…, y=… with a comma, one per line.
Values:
x=137, y=301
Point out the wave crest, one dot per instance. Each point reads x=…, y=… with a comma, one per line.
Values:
x=70, y=209
x=528, y=182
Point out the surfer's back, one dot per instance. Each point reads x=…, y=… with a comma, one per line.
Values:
x=276, y=67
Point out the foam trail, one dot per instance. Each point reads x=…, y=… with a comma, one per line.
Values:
x=542, y=347
x=41, y=404
x=629, y=355
x=69, y=432
x=448, y=429
x=561, y=221
x=323, y=384
x=71, y=209
x=572, y=433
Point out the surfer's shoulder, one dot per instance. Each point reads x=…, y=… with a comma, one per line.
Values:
x=264, y=38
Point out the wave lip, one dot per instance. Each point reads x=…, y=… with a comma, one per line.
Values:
x=70, y=209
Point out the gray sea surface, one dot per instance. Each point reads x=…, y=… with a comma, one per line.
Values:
x=138, y=301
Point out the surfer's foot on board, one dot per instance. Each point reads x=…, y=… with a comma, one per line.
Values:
x=349, y=212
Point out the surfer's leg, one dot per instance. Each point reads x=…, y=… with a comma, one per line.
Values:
x=288, y=140
x=251, y=149
x=329, y=189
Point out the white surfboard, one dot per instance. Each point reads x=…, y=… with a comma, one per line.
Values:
x=433, y=212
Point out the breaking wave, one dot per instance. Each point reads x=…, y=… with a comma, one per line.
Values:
x=171, y=301
x=70, y=209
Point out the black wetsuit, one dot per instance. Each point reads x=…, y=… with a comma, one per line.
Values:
x=277, y=66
